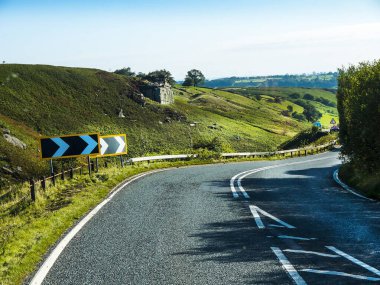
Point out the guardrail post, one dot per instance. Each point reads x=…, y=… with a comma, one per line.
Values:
x=43, y=183
x=53, y=178
x=32, y=190
x=291, y=154
x=71, y=173
x=305, y=152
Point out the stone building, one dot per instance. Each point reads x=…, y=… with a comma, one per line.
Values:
x=159, y=92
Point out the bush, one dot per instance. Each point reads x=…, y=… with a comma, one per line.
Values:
x=308, y=96
x=359, y=114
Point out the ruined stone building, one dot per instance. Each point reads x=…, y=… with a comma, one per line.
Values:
x=159, y=92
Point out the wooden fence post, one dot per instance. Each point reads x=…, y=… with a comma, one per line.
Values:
x=43, y=183
x=32, y=190
x=71, y=173
x=89, y=165
x=63, y=174
x=53, y=178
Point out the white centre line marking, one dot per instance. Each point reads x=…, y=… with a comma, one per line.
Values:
x=354, y=260
x=235, y=194
x=297, y=238
x=311, y=252
x=275, y=226
x=49, y=262
x=338, y=273
x=256, y=215
x=288, y=266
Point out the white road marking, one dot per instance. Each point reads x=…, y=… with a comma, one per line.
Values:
x=354, y=260
x=293, y=237
x=311, y=252
x=256, y=215
x=49, y=262
x=346, y=187
x=273, y=217
x=288, y=266
x=275, y=226
x=338, y=273
x=252, y=171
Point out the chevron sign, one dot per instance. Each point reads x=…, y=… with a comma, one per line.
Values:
x=113, y=145
x=70, y=146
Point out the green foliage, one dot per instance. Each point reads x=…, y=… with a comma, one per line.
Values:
x=359, y=114
x=290, y=108
x=159, y=76
x=125, y=71
x=307, y=137
x=194, y=77
x=308, y=96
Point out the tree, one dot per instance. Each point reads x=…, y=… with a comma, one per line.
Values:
x=290, y=108
x=194, y=78
x=258, y=97
x=159, y=76
x=125, y=71
x=311, y=113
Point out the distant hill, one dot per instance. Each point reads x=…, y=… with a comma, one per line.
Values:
x=315, y=80
x=38, y=100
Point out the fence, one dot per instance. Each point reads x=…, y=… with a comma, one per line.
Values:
x=45, y=182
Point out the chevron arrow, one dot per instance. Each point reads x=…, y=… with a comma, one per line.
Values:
x=103, y=146
x=62, y=147
x=121, y=144
x=91, y=144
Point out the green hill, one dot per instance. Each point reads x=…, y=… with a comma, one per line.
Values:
x=40, y=100
x=315, y=80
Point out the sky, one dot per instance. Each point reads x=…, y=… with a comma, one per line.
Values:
x=221, y=38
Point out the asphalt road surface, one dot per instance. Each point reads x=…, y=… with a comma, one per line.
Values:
x=277, y=222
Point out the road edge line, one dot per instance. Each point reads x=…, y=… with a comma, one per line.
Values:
x=348, y=188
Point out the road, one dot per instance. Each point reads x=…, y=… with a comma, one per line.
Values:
x=287, y=223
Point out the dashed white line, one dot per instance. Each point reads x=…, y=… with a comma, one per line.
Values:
x=49, y=262
x=338, y=273
x=311, y=252
x=288, y=266
x=293, y=237
x=275, y=226
x=354, y=260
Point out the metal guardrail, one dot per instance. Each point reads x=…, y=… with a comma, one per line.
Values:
x=161, y=157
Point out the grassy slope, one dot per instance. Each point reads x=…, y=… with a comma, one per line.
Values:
x=327, y=112
x=45, y=100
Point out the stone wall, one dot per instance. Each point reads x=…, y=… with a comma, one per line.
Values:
x=161, y=93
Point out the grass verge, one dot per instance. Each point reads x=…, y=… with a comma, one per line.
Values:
x=369, y=184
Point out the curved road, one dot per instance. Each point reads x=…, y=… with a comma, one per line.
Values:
x=275, y=222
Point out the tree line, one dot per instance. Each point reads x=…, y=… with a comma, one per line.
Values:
x=358, y=98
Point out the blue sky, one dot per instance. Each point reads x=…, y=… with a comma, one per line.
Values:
x=221, y=38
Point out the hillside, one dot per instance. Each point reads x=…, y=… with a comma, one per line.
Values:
x=40, y=100
x=315, y=80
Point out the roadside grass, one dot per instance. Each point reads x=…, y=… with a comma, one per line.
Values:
x=29, y=234
x=367, y=183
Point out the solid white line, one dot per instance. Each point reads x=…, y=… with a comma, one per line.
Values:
x=354, y=260
x=252, y=171
x=274, y=218
x=297, y=238
x=311, y=252
x=258, y=221
x=49, y=262
x=288, y=266
x=276, y=226
x=338, y=273
x=346, y=187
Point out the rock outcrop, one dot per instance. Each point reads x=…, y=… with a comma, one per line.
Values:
x=159, y=92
